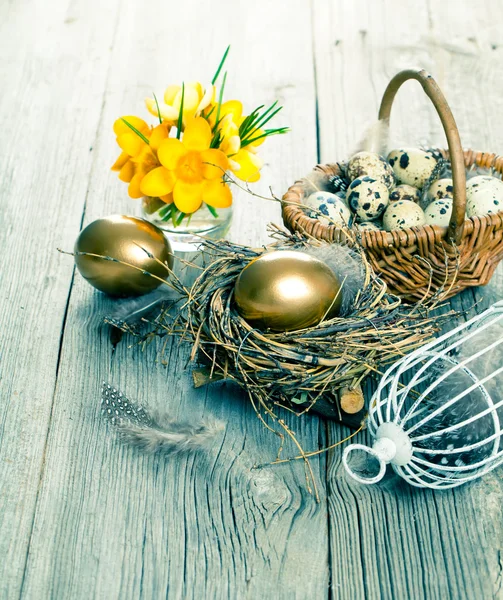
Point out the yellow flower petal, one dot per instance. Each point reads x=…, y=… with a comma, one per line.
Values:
x=217, y=194
x=131, y=143
x=127, y=172
x=145, y=160
x=207, y=98
x=159, y=133
x=120, y=162
x=190, y=102
x=158, y=182
x=215, y=164
x=254, y=134
x=134, y=187
x=170, y=94
x=249, y=166
x=188, y=197
x=232, y=107
x=120, y=127
x=230, y=145
x=198, y=87
x=167, y=198
x=197, y=135
x=170, y=151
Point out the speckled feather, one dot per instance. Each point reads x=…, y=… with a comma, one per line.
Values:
x=153, y=431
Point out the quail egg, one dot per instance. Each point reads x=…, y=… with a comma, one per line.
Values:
x=372, y=165
x=442, y=188
x=403, y=214
x=412, y=166
x=367, y=226
x=405, y=192
x=367, y=197
x=439, y=212
x=328, y=209
x=484, y=196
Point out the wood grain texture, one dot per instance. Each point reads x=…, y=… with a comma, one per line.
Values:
x=404, y=542
x=82, y=516
x=113, y=523
x=48, y=125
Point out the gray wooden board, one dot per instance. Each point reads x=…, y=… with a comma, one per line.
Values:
x=405, y=542
x=82, y=516
x=116, y=524
x=53, y=70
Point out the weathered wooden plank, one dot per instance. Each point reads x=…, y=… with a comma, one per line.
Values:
x=117, y=524
x=393, y=540
x=53, y=69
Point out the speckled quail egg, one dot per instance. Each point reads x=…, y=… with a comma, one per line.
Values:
x=370, y=164
x=412, y=166
x=405, y=192
x=330, y=205
x=403, y=214
x=442, y=188
x=368, y=226
x=484, y=196
x=368, y=198
x=439, y=212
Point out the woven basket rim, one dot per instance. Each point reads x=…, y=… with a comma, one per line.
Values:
x=296, y=219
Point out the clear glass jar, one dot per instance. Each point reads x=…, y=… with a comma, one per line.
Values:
x=186, y=237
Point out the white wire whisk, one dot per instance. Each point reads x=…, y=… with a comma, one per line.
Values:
x=437, y=414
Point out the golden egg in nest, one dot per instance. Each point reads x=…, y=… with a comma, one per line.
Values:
x=129, y=240
x=285, y=290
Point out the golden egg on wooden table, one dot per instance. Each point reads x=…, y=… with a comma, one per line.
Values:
x=286, y=290
x=126, y=239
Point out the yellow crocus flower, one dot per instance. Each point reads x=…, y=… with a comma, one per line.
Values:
x=196, y=98
x=190, y=170
x=243, y=162
x=137, y=157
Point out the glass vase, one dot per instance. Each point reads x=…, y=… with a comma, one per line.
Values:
x=186, y=237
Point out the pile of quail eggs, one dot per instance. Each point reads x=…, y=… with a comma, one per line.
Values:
x=408, y=188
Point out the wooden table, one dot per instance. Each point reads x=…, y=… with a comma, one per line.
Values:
x=82, y=516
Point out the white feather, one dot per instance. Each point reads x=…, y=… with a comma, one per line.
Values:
x=375, y=139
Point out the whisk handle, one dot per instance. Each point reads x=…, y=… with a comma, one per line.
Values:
x=368, y=450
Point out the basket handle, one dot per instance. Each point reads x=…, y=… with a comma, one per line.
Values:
x=431, y=89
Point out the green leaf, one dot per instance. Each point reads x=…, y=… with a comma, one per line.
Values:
x=138, y=133
x=215, y=142
x=268, y=133
x=220, y=97
x=158, y=110
x=224, y=57
x=212, y=211
x=180, y=114
x=165, y=211
x=179, y=219
x=265, y=118
x=301, y=400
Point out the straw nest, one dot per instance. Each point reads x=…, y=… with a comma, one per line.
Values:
x=300, y=370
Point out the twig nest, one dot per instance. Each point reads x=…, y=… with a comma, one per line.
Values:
x=368, y=198
x=412, y=166
x=405, y=192
x=484, y=196
x=370, y=164
x=403, y=214
x=439, y=212
x=442, y=188
x=328, y=208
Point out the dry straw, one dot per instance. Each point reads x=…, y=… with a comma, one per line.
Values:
x=300, y=370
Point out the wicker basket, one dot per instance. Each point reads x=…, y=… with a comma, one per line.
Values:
x=419, y=261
